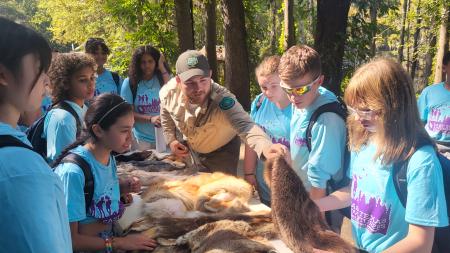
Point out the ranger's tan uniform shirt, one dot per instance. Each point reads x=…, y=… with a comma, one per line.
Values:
x=211, y=125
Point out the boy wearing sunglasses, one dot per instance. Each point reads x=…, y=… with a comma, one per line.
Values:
x=301, y=79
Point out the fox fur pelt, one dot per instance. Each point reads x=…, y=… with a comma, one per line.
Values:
x=208, y=193
x=297, y=218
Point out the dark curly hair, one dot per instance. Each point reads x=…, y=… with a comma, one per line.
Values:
x=61, y=71
x=135, y=72
x=93, y=44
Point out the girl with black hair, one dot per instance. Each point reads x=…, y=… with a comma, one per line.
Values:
x=108, y=124
x=33, y=214
x=147, y=73
x=107, y=81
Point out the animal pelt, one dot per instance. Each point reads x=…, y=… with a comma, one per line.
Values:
x=209, y=193
x=170, y=227
x=225, y=236
x=297, y=218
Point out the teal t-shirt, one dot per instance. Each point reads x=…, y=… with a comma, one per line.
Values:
x=329, y=137
x=434, y=110
x=105, y=84
x=105, y=206
x=46, y=104
x=378, y=218
x=273, y=120
x=146, y=102
x=33, y=213
x=60, y=129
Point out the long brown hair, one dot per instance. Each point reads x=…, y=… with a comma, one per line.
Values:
x=382, y=85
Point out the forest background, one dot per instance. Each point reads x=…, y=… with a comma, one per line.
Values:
x=236, y=35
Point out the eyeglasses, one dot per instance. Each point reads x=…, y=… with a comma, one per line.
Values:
x=299, y=90
x=364, y=114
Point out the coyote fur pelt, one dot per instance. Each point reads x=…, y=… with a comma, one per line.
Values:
x=209, y=193
x=296, y=217
x=211, y=233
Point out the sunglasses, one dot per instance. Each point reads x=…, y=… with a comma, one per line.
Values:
x=364, y=114
x=299, y=90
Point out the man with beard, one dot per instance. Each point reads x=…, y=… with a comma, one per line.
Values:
x=209, y=118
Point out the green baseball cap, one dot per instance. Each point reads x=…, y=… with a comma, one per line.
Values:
x=192, y=63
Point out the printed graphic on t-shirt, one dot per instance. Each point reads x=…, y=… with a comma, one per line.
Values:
x=276, y=139
x=300, y=141
x=146, y=105
x=439, y=120
x=101, y=209
x=369, y=212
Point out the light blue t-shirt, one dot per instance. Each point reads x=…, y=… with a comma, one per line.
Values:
x=328, y=140
x=273, y=120
x=105, y=84
x=60, y=129
x=33, y=213
x=379, y=220
x=434, y=110
x=105, y=206
x=146, y=102
x=46, y=104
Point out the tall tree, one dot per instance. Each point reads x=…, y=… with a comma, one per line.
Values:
x=428, y=62
x=211, y=37
x=373, y=11
x=330, y=39
x=273, y=30
x=416, y=42
x=289, y=31
x=185, y=24
x=402, y=30
x=236, y=52
x=441, y=44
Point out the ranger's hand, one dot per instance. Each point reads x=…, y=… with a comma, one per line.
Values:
x=178, y=149
x=275, y=150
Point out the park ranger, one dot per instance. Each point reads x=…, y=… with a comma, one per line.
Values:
x=209, y=118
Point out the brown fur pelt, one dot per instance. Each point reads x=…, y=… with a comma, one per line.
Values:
x=225, y=236
x=208, y=192
x=297, y=218
x=169, y=227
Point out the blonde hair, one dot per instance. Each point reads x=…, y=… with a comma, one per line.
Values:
x=384, y=86
x=298, y=61
x=268, y=66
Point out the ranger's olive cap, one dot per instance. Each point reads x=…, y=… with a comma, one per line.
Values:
x=192, y=63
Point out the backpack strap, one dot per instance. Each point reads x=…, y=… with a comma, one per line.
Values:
x=116, y=79
x=260, y=101
x=399, y=176
x=88, y=177
x=334, y=107
x=65, y=106
x=11, y=141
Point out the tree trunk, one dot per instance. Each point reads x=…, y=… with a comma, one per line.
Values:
x=236, y=54
x=416, y=42
x=211, y=37
x=273, y=32
x=373, y=9
x=438, y=75
x=185, y=24
x=289, y=31
x=402, y=30
x=330, y=39
x=428, y=63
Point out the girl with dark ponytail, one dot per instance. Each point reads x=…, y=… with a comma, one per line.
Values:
x=108, y=124
x=148, y=72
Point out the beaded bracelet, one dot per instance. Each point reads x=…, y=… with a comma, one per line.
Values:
x=108, y=245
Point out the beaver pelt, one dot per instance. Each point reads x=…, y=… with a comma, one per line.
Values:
x=296, y=217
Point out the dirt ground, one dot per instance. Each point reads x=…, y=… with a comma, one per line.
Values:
x=346, y=231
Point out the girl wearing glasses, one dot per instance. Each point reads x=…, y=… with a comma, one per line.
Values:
x=72, y=81
x=272, y=111
x=385, y=128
